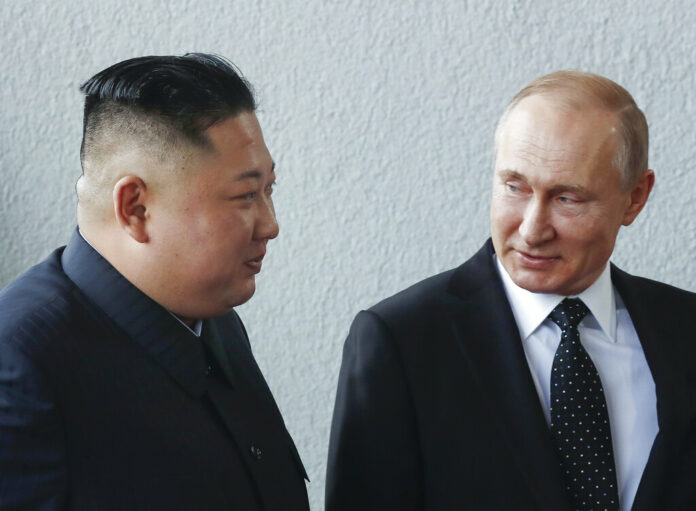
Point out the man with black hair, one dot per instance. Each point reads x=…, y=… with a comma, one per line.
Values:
x=126, y=378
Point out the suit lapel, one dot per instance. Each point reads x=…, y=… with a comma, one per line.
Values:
x=488, y=336
x=661, y=343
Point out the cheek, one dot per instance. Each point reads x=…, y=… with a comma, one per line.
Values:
x=175, y=230
x=230, y=234
x=216, y=223
x=504, y=218
x=584, y=230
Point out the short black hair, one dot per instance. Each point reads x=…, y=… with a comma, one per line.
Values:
x=184, y=94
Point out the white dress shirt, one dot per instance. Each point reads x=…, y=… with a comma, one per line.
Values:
x=611, y=341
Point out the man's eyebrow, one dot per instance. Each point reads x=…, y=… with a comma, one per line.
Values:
x=555, y=190
x=506, y=174
x=253, y=174
x=578, y=190
x=511, y=174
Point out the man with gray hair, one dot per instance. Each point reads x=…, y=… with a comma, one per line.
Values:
x=127, y=380
x=537, y=375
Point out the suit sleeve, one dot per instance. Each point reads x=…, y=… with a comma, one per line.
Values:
x=374, y=461
x=32, y=473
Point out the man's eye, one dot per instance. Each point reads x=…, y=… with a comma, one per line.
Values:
x=250, y=196
x=566, y=200
x=512, y=188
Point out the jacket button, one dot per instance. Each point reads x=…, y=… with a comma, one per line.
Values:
x=256, y=452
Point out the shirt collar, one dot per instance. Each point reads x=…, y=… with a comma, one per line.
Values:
x=195, y=329
x=531, y=309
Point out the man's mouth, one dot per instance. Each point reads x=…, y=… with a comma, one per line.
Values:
x=535, y=261
x=255, y=264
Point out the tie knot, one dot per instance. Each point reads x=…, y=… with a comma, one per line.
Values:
x=569, y=313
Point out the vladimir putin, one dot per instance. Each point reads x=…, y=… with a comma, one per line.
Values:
x=537, y=375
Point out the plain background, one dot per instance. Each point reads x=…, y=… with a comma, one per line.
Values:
x=380, y=116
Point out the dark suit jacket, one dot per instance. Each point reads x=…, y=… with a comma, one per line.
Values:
x=436, y=408
x=107, y=402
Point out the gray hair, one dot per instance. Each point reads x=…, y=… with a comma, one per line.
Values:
x=581, y=89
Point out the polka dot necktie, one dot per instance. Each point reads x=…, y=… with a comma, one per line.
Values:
x=579, y=418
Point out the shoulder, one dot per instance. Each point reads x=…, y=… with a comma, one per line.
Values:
x=37, y=300
x=31, y=308
x=379, y=335
x=416, y=298
x=31, y=444
x=432, y=297
x=661, y=294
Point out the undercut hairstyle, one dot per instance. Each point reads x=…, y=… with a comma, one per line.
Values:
x=579, y=90
x=157, y=105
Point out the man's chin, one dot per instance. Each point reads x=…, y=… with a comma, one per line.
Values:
x=242, y=296
x=534, y=281
x=224, y=303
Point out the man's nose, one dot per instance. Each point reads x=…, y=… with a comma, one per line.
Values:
x=536, y=226
x=266, y=225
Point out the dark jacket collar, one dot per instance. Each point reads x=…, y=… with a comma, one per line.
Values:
x=139, y=317
x=490, y=340
x=476, y=273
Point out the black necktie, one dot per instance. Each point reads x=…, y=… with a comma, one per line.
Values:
x=579, y=418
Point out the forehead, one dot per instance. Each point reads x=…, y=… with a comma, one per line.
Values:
x=237, y=147
x=547, y=133
x=238, y=133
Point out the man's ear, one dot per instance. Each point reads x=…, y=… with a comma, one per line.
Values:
x=129, y=198
x=639, y=196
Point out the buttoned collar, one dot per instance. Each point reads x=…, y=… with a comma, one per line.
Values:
x=531, y=309
x=197, y=326
x=170, y=343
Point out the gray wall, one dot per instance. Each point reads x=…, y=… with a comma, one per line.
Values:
x=380, y=116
